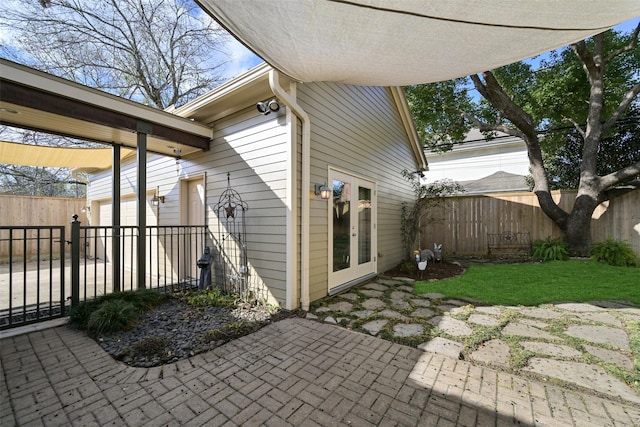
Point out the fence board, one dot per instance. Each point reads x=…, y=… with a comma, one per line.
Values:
x=461, y=223
x=38, y=211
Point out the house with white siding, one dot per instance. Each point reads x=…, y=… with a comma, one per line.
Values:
x=483, y=166
x=298, y=247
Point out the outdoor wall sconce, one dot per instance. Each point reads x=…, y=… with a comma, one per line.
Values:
x=157, y=200
x=85, y=209
x=268, y=107
x=323, y=191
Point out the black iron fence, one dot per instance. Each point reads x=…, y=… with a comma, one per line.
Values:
x=42, y=275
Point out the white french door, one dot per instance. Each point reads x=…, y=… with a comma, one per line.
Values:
x=352, y=236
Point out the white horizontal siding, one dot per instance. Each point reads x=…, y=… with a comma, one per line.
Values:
x=253, y=149
x=357, y=129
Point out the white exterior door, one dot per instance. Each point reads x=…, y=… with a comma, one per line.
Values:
x=352, y=230
x=195, y=216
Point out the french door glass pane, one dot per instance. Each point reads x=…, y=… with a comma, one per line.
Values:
x=364, y=225
x=341, y=224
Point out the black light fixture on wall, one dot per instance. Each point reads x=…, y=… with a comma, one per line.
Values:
x=323, y=191
x=268, y=107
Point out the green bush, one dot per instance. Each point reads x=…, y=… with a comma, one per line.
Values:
x=549, y=250
x=209, y=298
x=112, y=316
x=614, y=252
x=142, y=300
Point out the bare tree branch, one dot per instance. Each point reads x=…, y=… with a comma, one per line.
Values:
x=629, y=47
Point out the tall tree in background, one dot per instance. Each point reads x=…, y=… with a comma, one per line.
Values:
x=158, y=52
x=586, y=89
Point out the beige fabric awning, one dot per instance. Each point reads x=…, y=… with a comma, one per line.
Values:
x=397, y=43
x=38, y=155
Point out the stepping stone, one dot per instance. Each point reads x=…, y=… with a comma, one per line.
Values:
x=423, y=312
x=407, y=330
x=400, y=304
x=524, y=330
x=371, y=293
x=553, y=350
x=591, y=377
x=433, y=296
x=421, y=302
x=373, y=304
x=541, y=313
x=446, y=307
x=376, y=286
x=451, y=326
x=458, y=310
x=404, y=279
x=406, y=288
x=399, y=295
x=456, y=302
x=483, y=319
x=601, y=317
x=392, y=314
x=362, y=313
x=342, y=306
x=601, y=335
x=374, y=327
x=311, y=316
x=443, y=346
x=578, y=306
x=610, y=356
x=489, y=310
x=349, y=296
x=611, y=304
x=534, y=323
x=493, y=352
x=330, y=320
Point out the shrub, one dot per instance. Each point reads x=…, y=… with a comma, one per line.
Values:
x=209, y=298
x=112, y=316
x=614, y=252
x=142, y=300
x=549, y=250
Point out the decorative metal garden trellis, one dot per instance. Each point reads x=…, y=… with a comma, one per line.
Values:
x=232, y=272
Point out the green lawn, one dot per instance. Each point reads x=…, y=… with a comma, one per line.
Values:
x=539, y=283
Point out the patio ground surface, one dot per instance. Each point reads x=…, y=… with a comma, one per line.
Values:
x=312, y=372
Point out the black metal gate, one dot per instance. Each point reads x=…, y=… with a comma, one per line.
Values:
x=32, y=275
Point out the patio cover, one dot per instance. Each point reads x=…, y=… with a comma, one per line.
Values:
x=87, y=159
x=396, y=43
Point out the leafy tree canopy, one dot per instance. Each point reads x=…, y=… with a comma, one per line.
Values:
x=576, y=110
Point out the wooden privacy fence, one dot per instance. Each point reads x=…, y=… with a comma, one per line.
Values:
x=37, y=211
x=462, y=223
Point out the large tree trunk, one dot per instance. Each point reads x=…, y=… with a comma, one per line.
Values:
x=577, y=232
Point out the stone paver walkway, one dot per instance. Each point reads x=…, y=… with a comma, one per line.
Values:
x=580, y=345
x=295, y=372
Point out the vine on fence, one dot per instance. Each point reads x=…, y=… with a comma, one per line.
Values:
x=427, y=196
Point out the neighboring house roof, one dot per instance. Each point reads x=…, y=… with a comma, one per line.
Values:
x=498, y=182
x=476, y=158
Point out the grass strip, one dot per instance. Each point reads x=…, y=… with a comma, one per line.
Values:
x=540, y=283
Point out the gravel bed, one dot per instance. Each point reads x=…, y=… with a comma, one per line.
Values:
x=176, y=330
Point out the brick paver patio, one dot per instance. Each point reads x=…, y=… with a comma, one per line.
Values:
x=294, y=372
